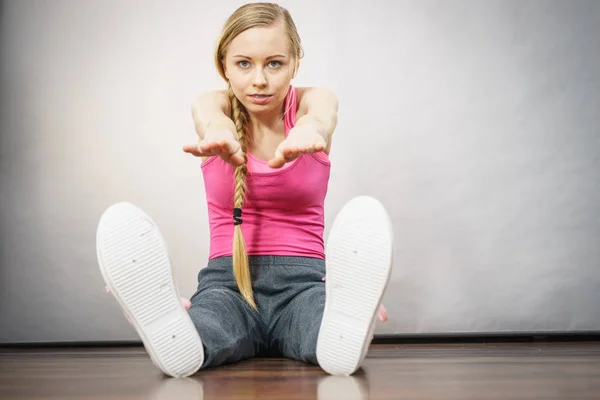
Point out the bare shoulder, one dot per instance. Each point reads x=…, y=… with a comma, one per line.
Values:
x=311, y=97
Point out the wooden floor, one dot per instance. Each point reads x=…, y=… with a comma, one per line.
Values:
x=442, y=371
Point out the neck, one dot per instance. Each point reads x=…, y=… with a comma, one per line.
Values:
x=265, y=123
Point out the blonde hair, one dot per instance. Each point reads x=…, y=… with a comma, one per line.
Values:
x=246, y=17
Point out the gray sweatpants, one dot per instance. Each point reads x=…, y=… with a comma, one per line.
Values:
x=290, y=295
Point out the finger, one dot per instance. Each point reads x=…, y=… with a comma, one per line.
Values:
x=232, y=146
x=382, y=314
x=230, y=151
x=323, y=278
x=186, y=303
x=212, y=147
x=303, y=150
x=291, y=153
x=195, y=151
x=236, y=159
x=276, y=162
x=221, y=148
x=288, y=153
x=191, y=148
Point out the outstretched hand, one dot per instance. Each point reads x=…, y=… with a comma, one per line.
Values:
x=302, y=139
x=221, y=144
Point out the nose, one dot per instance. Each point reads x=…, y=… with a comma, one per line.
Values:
x=259, y=79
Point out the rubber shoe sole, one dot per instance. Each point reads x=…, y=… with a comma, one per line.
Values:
x=359, y=262
x=136, y=267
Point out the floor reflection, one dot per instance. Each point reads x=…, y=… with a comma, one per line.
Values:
x=213, y=386
x=343, y=387
x=178, y=389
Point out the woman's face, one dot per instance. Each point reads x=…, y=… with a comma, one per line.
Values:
x=259, y=67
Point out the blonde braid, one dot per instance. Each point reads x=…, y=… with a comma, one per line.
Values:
x=241, y=267
x=246, y=17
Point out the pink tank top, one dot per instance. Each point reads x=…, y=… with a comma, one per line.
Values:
x=283, y=211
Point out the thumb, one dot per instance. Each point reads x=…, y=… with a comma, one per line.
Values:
x=278, y=160
x=236, y=159
x=233, y=146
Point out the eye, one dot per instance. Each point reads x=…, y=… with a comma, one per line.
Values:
x=275, y=64
x=243, y=64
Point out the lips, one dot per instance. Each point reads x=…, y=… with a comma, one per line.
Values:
x=260, y=98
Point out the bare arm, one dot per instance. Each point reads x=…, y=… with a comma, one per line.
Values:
x=216, y=131
x=319, y=107
x=316, y=121
x=212, y=109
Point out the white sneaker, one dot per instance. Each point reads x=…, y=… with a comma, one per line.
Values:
x=359, y=262
x=136, y=267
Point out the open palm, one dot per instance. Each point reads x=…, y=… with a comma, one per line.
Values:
x=301, y=140
x=227, y=148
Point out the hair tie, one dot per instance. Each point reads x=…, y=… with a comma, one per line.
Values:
x=237, y=216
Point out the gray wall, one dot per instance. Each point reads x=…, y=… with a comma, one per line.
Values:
x=475, y=122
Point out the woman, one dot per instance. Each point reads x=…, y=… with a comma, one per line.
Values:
x=264, y=146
